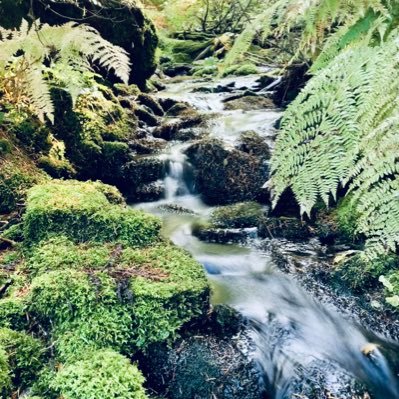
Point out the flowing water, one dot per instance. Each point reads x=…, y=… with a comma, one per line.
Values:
x=291, y=330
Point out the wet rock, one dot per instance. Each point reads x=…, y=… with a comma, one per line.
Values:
x=174, y=208
x=151, y=103
x=249, y=103
x=210, y=233
x=145, y=116
x=254, y=144
x=149, y=192
x=289, y=228
x=179, y=109
x=147, y=146
x=167, y=103
x=290, y=84
x=202, y=366
x=177, y=70
x=240, y=215
x=180, y=129
x=225, y=175
x=143, y=170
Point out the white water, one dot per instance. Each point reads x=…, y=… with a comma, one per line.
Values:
x=291, y=330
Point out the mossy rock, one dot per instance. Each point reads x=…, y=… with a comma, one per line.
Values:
x=5, y=374
x=339, y=224
x=361, y=274
x=109, y=296
x=17, y=175
x=83, y=212
x=225, y=175
x=241, y=70
x=13, y=312
x=254, y=144
x=25, y=356
x=100, y=374
x=249, y=103
x=56, y=168
x=240, y=215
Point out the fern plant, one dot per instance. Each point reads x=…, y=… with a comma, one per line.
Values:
x=27, y=53
x=342, y=130
x=316, y=19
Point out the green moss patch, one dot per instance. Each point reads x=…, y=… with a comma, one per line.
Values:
x=240, y=215
x=102, y=374
x=25, y=356
x=113, y=296
x=83, y=212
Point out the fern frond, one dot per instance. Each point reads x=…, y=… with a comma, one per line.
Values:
x=71, y=47
x=343, y=130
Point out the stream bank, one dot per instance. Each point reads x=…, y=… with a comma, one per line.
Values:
x=301, y=337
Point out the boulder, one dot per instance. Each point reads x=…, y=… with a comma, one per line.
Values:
x=144, y=169
x=202, y=366
x=225, y=175
x=254, y=144
x=151, y=103
x=249, y=103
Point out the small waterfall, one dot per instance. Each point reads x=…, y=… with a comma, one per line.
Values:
x=175, y=183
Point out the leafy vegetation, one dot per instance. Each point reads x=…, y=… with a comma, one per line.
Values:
x=30, y=55
x=83, y=212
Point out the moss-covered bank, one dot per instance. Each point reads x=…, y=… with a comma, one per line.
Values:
x=91, y=284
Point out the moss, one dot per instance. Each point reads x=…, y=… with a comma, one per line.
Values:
x=360, y=274
x=82, y=212
x=346, y=217
x=172, y=290
x=13, y=313
x=5, y=147
x=31, y=134
x=95, y=132
x=25, y=356
x=241, y=215
x=110, y=296
x=241, y=70
x=183, y=51
x=5, y=374
x=56, y=168
x=14, y=232
x=14, y=183
x=122, y=89
x=111, y=375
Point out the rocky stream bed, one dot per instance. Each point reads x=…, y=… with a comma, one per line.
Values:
x=280, y=327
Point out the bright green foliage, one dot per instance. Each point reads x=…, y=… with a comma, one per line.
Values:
x=175, y=292
x=101, y=374
x=315, y=19
x=342, y=130
x=240, y=215
x=85, y=310
x=25, y=356
x=59, y=253
x=109, y=296
x=391, y=284
x=361, y=274
x=13, y=312
x=82, y=212
x=71, y=48
x=5, y=374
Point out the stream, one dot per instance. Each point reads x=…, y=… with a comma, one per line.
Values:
x=292, y=329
